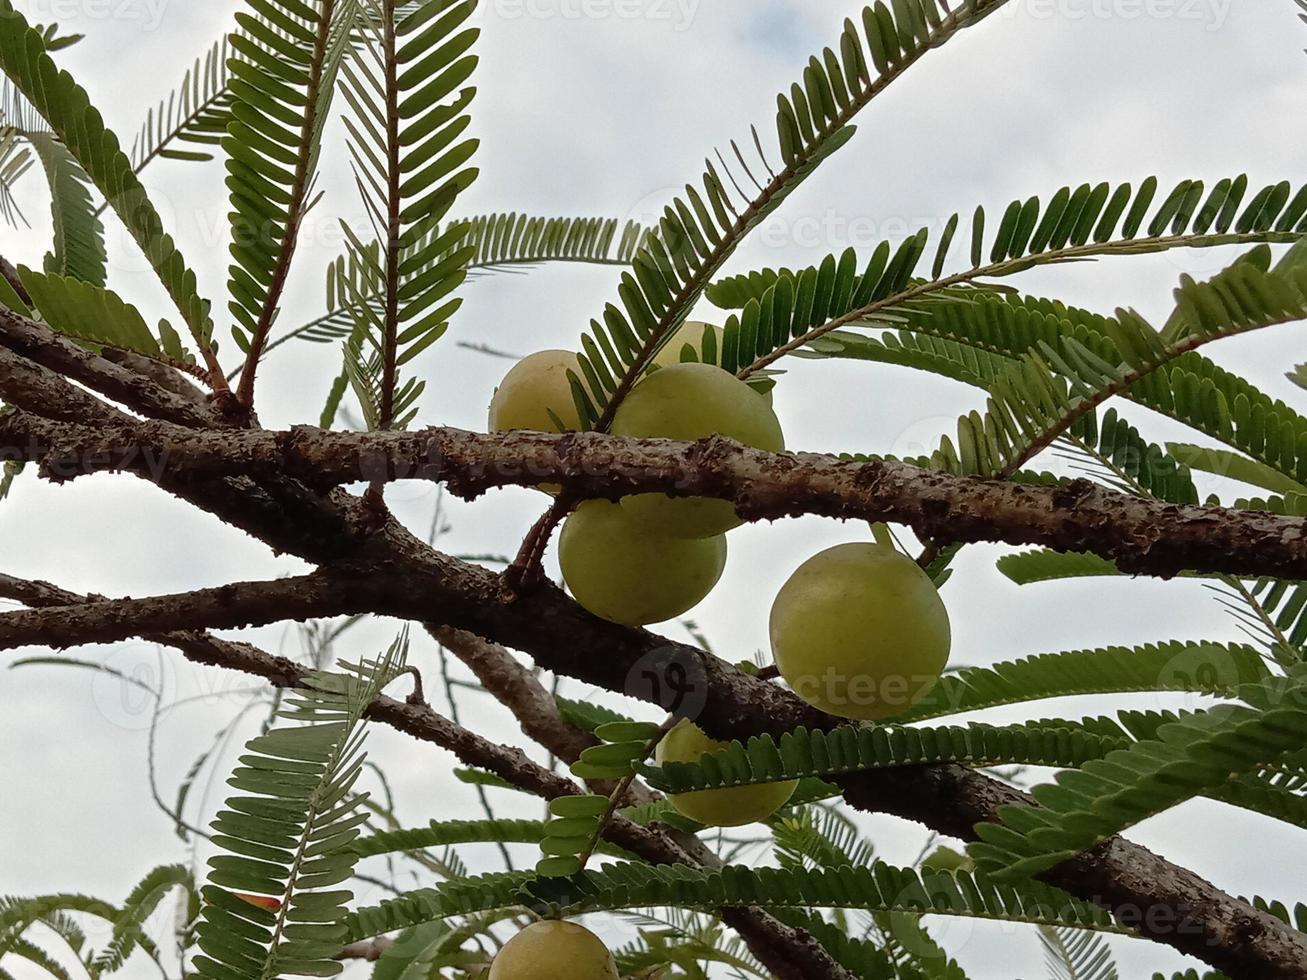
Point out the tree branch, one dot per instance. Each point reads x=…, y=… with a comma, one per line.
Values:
x=197, y=646
x=1161, y=901
x=230, y=606
x=1141, y=535
x=790, y=953
x=517, y=689
x=38, y=343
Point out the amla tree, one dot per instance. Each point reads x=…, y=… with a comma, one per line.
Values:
x=89, y=386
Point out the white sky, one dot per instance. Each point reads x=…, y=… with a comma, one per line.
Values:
x=586, y=112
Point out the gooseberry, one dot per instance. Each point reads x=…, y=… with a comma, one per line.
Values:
x=860, y=631
x=945, y=859
x=551, y=949
x=536, y=386
x=688, y=402
x=731, y=807
x=621, y=571
x=692, y=333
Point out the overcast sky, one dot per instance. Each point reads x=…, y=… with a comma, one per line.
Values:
x=589, y=107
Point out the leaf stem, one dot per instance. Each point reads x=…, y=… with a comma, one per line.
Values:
x=620, y=790
x=1010, y=267
x=298, y=208
x=394, y=225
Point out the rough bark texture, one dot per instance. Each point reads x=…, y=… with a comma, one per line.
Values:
x=390, y=572
x=177, y=402
x=1141, y=535
x=520, y=690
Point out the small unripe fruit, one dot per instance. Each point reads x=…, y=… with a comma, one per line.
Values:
x=549, y=950
x=947, y=859
x=622, y=572
x=860, y=631
x=733, y=807
x=691, y=333
x=534, y=387
x=689, y=402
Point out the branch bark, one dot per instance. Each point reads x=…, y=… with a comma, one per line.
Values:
x=181, y=402
x=319, y=595
x=517, y=689
x=1141, y=535
x=1161, y=901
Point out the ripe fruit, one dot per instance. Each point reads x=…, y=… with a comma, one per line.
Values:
x=622, y=572
x=859, y=631
x=732, y=807
x=551, y=949
x=534, y=387
x=689, y=402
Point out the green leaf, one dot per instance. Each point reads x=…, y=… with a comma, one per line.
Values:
x=848, y=749
x=1204, y=668
x=1030, y=567
x=92, y=314
x=407, y=97
x=699, y=231
x=1233, y=466
x=878, y=887
x=288, y=835
x=78, y=251
x=446, y=833
x=129, y=928
x=282, y=84
x=196, y=112
x=1196, y=754
x=1077, y=955
x=66, y=107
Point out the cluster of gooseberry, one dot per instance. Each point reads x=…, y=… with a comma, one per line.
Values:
x=858, y=631
x=649, y=557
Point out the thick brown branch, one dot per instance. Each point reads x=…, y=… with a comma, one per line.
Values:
x=15, y=280
x=1143, y=536
x=28, y=386
x=123, y=382
x=1161, y=901
x=229, y=606
x=197, y=646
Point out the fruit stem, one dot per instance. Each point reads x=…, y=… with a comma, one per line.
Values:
x=929, y=554
x=526, y=571
x=884, y=537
